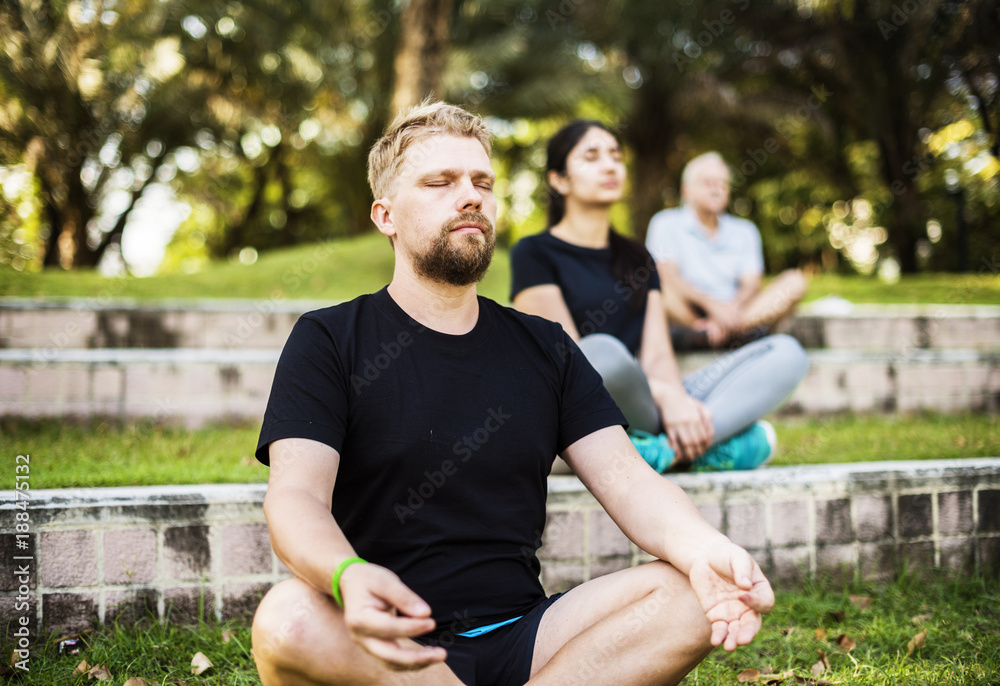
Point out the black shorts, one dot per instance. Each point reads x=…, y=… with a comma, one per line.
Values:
x=501, y=657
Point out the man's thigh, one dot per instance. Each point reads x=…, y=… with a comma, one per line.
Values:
x=300, y=639
x=652, y=590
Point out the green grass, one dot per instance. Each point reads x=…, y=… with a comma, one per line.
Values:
x=342, y=269
x=65, y=454
x=962, y=644
x=961, y=620
x=158, y=653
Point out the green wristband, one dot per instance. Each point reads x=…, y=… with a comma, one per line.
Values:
x=335, y=581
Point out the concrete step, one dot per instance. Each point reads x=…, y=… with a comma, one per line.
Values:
x=65, y=323
x=195, y=387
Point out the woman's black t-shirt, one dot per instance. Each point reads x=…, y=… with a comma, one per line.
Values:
x=597, y=301
x=445, y=442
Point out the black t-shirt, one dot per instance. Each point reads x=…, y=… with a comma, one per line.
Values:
x=597, y=301
x=445, y=442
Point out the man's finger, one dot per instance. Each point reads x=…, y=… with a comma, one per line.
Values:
x=373, y=622
x=409, y=655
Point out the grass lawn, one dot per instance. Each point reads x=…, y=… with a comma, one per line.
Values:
x=909, y=631
x=342, y=269
x=66, y=454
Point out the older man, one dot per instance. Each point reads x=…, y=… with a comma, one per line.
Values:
x=409, y=435
x=711, y=264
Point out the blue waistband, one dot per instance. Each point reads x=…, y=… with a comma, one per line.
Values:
x=480, y=630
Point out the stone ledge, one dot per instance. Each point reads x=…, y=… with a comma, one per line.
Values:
x=106, y=552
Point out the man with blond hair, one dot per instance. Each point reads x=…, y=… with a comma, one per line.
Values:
x=711, y=264
x=409, y=435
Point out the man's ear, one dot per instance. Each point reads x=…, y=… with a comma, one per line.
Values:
x=382, y=217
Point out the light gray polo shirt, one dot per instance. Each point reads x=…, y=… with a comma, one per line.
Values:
x=712, y=264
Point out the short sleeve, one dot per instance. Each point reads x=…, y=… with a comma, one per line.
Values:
x=755, y=252
x=530, y=266
x=309, y=397
x=658, y=238
x=585, y=405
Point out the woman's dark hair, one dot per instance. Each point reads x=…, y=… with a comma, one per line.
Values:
x=631, y=264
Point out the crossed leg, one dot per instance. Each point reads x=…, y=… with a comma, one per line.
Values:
x=300, y=639
x=637, y=626
x=641, y=625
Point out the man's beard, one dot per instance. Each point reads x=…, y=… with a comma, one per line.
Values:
x=463, y=264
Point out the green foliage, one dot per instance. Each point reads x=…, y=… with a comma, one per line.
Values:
x=849, y=124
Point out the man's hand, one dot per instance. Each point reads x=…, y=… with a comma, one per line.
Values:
x=724, y=320
x=733, y=592
x=382, y=615
x=688, y=422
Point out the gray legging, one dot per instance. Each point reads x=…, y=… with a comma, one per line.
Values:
x=739, y=387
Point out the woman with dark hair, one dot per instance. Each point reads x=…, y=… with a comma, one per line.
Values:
x=604, y=290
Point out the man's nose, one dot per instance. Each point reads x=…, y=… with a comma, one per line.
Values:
x=469, y=197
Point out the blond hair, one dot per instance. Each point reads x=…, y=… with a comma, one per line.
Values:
x=428, y=118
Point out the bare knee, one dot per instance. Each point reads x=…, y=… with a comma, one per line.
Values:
x=794, y=284
x=291, y=621
x=673, y=601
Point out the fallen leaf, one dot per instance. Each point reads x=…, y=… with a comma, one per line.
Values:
x=862, y=602
x=820, y=634
x=748, y=675
x=99, y=672
x=916, y=642
x=960, y=441
x=921, y=618
x=818, y=668
x=136, y=681
x=837, y=616
x=81, y=668
x=200, y=663
x=846, y=642
x=227, y=636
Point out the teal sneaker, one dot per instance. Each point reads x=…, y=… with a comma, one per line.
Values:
x=747, y=450
x=654, y=448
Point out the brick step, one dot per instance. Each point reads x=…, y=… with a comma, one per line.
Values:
x=101, y=554
x=246, y=324
x=195, y=387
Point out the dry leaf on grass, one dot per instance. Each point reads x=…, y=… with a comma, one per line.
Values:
x=81, y=668
x=748, y=675
x=200, y=663
x=916, y=642
x=821, y=666
x=862, y=602
x=846, y=642
x=136, y=681
x=227, y=636
x=917, y=619
x=820, y=634
x=99, y=672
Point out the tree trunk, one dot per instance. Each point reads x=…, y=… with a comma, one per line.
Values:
x=651, y=138
x=421, y=52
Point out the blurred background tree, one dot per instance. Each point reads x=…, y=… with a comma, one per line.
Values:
x=863, y=134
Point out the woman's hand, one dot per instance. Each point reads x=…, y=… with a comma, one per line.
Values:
x=688, y=422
